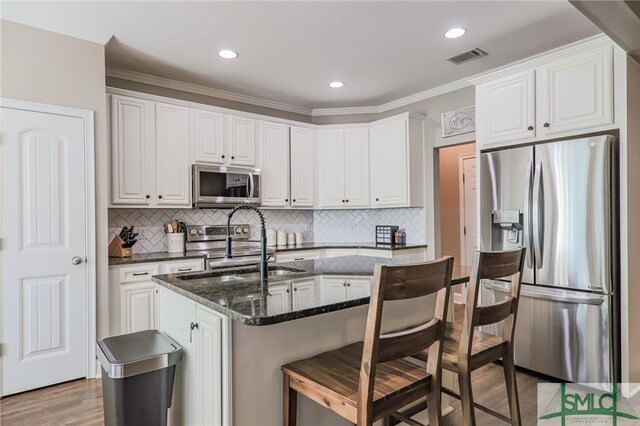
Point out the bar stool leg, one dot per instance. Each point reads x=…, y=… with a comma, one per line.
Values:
x=466, y=396
x=290, y=402
x=512, y=386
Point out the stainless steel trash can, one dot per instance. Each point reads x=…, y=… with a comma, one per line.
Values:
x=137, y=379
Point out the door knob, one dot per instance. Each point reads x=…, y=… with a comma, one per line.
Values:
x=76, y=260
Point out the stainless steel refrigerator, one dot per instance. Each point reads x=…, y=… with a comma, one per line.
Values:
x=559, y=200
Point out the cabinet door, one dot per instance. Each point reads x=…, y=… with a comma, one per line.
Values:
x=333, y=290
x=356, y=166
x=137, y=307
x=303, y=296
x=274, y=161
x=357, y=288
x=302, y=167
x=208, y=136
x=209, y=367
x=505, y=109
x=172, y=155
x=279, y=299
x=576, y=93
x=242, y=141
x=389, y=165
x=331, y=167
x=131, y=150
x=175, y=315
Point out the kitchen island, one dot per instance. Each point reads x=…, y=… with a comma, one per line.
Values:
x=237, y=331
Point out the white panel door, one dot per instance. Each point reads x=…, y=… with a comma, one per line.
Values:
x=209, y=367
x=274, y=161
x=303, y=296
x=356, y=167
x=208, y=136
x=576, y=93
x=469, y=203
x=333, y=290
x=358, y=288
x=302, y=170
x=331, y=168
x=389, y=165
x=173, y=178
x=506, y=109
x=242, y=141
x=131, y=150
x=137, y=307
x=279, y=299
x=44, y=294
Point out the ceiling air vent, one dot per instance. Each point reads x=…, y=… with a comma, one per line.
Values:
x=467, y=56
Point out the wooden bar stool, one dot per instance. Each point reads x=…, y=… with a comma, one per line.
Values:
x=467, y=349
x=366, y=381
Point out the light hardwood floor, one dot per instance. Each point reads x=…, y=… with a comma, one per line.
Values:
x=80, y=402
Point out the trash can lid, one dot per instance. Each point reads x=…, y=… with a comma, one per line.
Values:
x=137, y=353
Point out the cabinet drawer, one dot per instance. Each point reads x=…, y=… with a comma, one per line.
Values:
x=342, y=252
x=182, y=266
x=298, y=255
x=143, y=272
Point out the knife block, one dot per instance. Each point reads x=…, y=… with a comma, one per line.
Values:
x=116, y=249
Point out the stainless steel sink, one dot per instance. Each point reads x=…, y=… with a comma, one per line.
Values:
x=270, y=273
x=220, y=279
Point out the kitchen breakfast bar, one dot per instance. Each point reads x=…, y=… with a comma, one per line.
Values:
x=236, y=329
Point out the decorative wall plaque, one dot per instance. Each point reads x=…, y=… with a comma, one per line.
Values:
x=459, y=121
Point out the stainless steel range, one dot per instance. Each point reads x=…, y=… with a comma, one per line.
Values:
x=209, y=240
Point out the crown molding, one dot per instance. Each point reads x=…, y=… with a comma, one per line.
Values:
x=527, y=63
x=203, y=90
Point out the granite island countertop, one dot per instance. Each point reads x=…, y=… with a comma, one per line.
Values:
x=247, y=301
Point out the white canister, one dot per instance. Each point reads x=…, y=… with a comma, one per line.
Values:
x=175, y=242
x=298, y=238
x=271, y=238
x=291, y=239
x=282, y=239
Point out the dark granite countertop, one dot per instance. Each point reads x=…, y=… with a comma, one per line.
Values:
x=152, y=257
x=249, y=302
x=320, y=246
x=164, y=256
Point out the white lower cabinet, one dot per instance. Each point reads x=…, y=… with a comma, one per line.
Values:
x=201, y=378
x=138, y=307
x=279, y=298
x=303, y=295
x=334, y=289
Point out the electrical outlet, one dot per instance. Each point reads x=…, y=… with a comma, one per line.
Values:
x=143, y=233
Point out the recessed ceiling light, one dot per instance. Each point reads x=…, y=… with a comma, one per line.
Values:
x=336, y=84
x=455, y=33
x=227, y=54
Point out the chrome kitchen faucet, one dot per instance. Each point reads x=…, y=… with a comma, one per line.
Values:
x=262, y=240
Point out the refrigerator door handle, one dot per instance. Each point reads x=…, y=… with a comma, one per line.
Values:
x=595, y=300
x=527, y=215
x=538, y=216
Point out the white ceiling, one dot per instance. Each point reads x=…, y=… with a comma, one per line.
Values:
x=290, y=51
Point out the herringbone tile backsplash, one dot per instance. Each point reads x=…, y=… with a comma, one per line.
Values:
x=359, y=226
x=325, y=226
x=153, y=219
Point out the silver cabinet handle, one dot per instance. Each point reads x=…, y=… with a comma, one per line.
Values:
x=527, y=215
x=192, y=326
x=183, y=269
x=76, y=260
x=299, y=258
x=139, y=274
x=538, y=215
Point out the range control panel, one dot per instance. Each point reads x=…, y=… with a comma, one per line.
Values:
x=216, y=232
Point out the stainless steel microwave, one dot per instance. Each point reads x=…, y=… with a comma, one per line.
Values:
x=221, y=186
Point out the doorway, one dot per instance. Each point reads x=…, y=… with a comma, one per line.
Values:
x=457, y=204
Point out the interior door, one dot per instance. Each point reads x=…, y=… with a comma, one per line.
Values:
x=469, y=210
x=44, y=273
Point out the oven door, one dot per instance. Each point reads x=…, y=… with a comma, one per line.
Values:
x=220, y=186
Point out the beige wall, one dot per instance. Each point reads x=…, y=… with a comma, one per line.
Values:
x=204, y=99
x=50, y=68
x=449, y=158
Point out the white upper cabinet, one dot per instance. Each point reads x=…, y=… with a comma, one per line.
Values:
x=131, y=150
x=302, y=167
x=241, y=134
x=510, y=104
x=576, y=93
x=331, y=167
x=564, y=97
x=208, y=136
x=274, y=156
x=173, y=180
x=356, y=167
x=397, y=169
